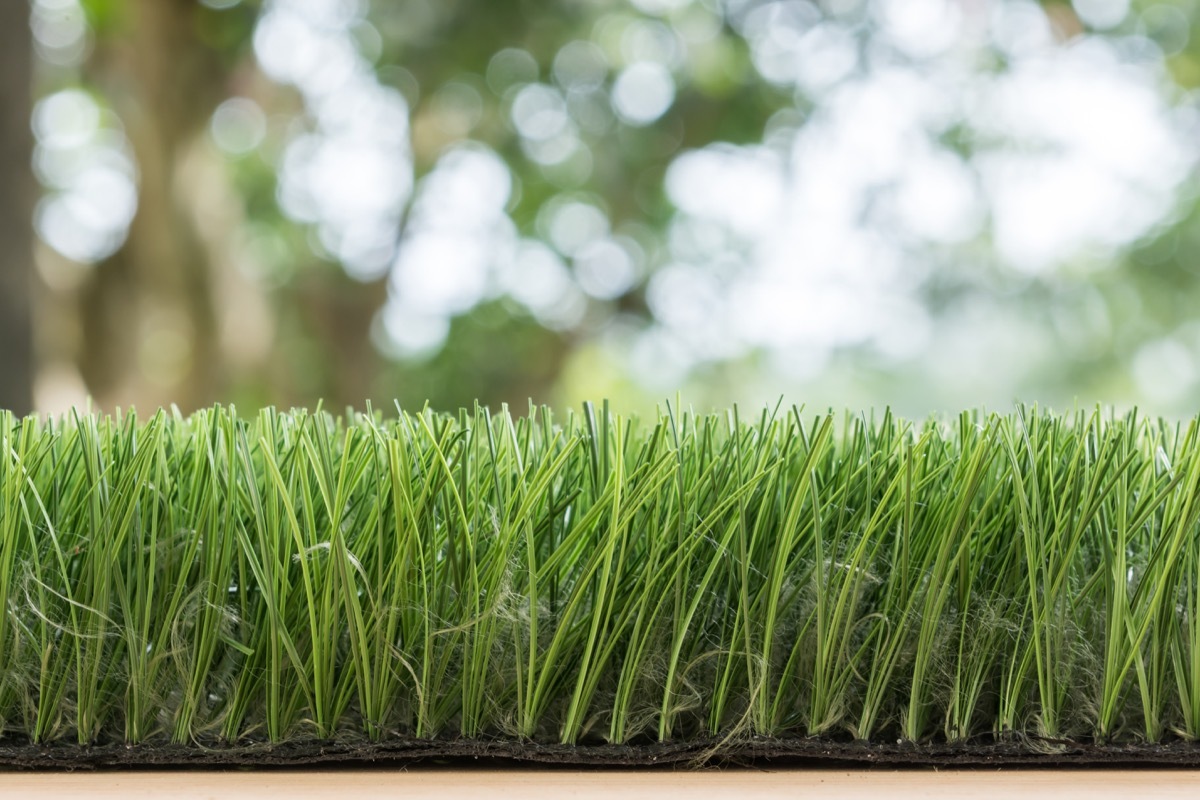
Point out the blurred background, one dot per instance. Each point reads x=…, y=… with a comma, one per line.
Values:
x=924, y=203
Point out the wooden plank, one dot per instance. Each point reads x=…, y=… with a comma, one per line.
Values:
x=747, y=784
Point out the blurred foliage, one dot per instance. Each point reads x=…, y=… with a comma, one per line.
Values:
x=322, y=338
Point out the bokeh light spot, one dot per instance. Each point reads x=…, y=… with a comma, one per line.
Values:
x=238, y=126
x=643, y=92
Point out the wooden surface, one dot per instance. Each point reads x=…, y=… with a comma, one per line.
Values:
x=659, y=785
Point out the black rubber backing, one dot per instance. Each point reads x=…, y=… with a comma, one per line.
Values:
x=760, y=751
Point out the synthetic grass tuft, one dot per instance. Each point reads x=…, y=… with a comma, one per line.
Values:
x=214, y=578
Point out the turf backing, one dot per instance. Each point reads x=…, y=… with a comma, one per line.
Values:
x=762, y=752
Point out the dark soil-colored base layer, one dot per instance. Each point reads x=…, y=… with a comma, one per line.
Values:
x=758, y=751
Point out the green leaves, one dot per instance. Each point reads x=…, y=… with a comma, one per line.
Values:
x=300, y=575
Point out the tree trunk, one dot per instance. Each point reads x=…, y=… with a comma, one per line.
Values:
x=16, y=194
x=149, y=322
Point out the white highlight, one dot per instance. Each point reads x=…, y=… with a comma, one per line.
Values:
x=84, y=161
x=643, y=92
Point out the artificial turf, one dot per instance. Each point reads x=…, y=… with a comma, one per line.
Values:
x=1027, y=580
